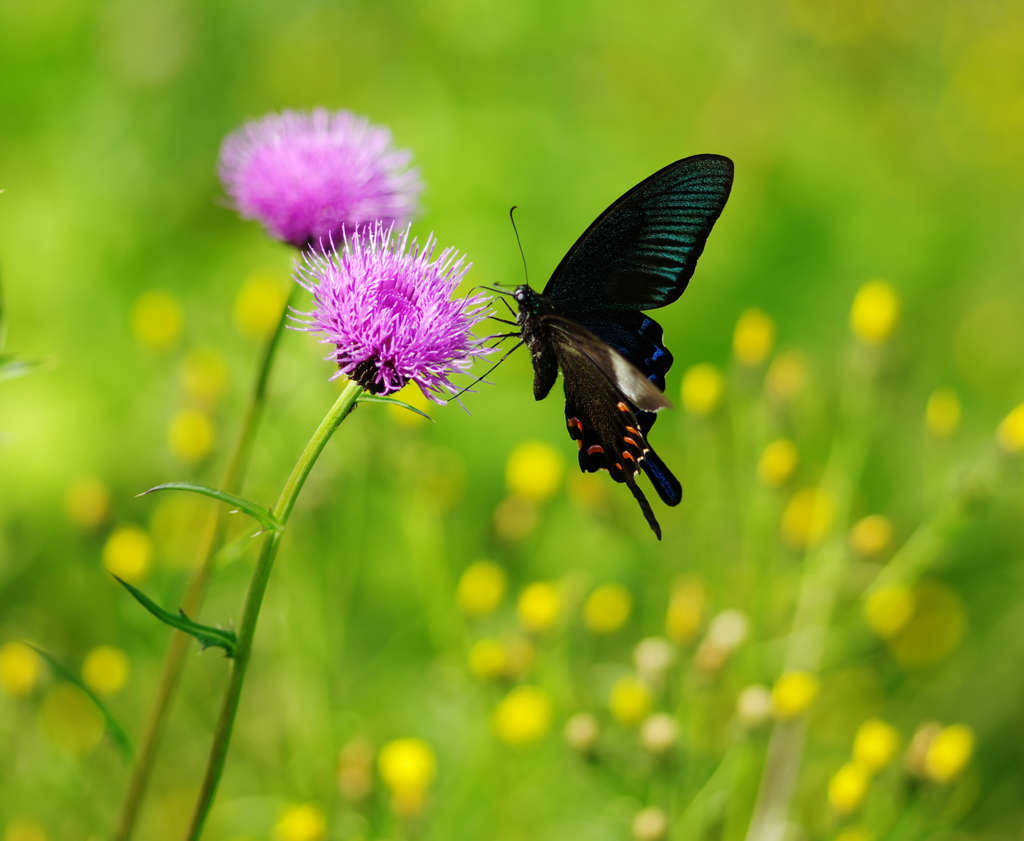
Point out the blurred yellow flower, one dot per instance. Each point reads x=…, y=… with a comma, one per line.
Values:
x=888, y=609
x=23, y=829
x=685, y=608
x=920, y=744
x=519, y=656
x=413, y=395
x=786, y=376
x=777, y=462
x=523, y=716
x=539, y=606
x=650, y=824
x=652, y=657
x=204, y=373
x=875, y=744
x=157, y=321
x=408, y=767
x=849, y=786
x=949, y=752
x=534, y=471
x=355, y=769
x=702, y=389
x=515, y=518
x=808, y=517
x=87, y=502
x=607, y=608
x=20, y=669
x=659, y=733
x=793, y=694
x=876, y=309
x=586, y=489
x=630, y=701
x=581, y=732
x=1011, y=431
x=190, y=435
x=258, y=306
x=935, y=628
x=71, y=719
x=871, y=535
x=487, y=659
x=942, y=414
x=753, y=338
x=301, y=823
x=854, y=833
x=105, y=670
x=128, y=553
x=481, y=588
x=754, y=705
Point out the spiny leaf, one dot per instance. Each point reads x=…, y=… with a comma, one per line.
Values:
x=373, y=398
x=208, y=636
x=257, y=512
x=117, y=733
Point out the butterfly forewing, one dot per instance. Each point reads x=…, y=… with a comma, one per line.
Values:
x=641, y=252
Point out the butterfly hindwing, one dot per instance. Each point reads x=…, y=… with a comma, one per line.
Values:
x=641, y=252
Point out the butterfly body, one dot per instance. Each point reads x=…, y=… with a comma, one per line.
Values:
x=590, y=320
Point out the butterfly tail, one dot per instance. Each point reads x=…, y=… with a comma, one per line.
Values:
x=645, y=506
x=667, y=485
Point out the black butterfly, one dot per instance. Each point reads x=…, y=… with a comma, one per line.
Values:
x=589, y=321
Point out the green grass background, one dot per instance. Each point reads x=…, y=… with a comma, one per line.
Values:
x=870, y=139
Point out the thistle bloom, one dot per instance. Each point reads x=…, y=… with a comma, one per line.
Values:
x=387, y=308
x=317, y=177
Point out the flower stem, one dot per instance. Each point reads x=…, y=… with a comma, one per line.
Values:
x=234, y=475
x=254, y=601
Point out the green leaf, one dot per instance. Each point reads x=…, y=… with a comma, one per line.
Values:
x=373, y=398
x=209, y=637
x=257, y=512
x=117, y=733
x=12, y=368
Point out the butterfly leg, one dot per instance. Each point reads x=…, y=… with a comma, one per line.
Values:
x=645, y=506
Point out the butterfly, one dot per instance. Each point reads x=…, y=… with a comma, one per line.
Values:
x=590, y=322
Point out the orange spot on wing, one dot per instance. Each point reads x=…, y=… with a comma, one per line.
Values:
x=596, y=448
x=629, y=455
x=631, y=441
x=623, y=407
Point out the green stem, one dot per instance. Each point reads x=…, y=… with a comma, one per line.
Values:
x=253, y=603
x=233, y=477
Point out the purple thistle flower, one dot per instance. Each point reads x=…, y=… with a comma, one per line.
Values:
x=317, y=177
x=387, y=307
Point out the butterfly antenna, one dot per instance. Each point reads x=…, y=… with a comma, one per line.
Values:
x=491, y=289
x=481, y=379
x=511, y=215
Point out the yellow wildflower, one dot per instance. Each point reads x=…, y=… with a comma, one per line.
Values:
x=190, y=435
x=853, y=833
x=777, y=462
x=302, y=823
x=23, y=829
x=20, y=669
x=481, y=588
x=849, y=786
x=355, y=769
x=659, y=733
x=539, y=606
x=408, y=767
x=1011, y=431
x=581, y=732
x=685, y=608
x=650, y=824
x=888, y=609
x=523, y=716
x=943, y=412
x=808, y=517
x=793, y=694
x=871, y=535
x=875, y=744
x=258, y=306
x=157, y=321
x=875, y=311
x=128, y=554
x=752, y=341
x=935, y=628
x=630, y=701
x=515, y=518
x=204, y=374
x=487, y=659
x=702, y=389
x=754, y=705
x=106, y=670
x=71, y=719
x=534, y=471
x=949, y=752
x=787, y=376
x=607, y=608
x=87, y=502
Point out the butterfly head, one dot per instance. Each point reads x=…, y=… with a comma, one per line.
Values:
x=528, y=300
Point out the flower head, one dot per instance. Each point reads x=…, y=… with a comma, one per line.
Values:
x=319, y=176
x=387, y=308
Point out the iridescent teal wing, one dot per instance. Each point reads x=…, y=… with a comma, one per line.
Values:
x=641, y=252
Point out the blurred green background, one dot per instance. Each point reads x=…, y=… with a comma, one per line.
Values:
x=870, y=139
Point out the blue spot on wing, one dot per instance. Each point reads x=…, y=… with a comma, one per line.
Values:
x=667, y=485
